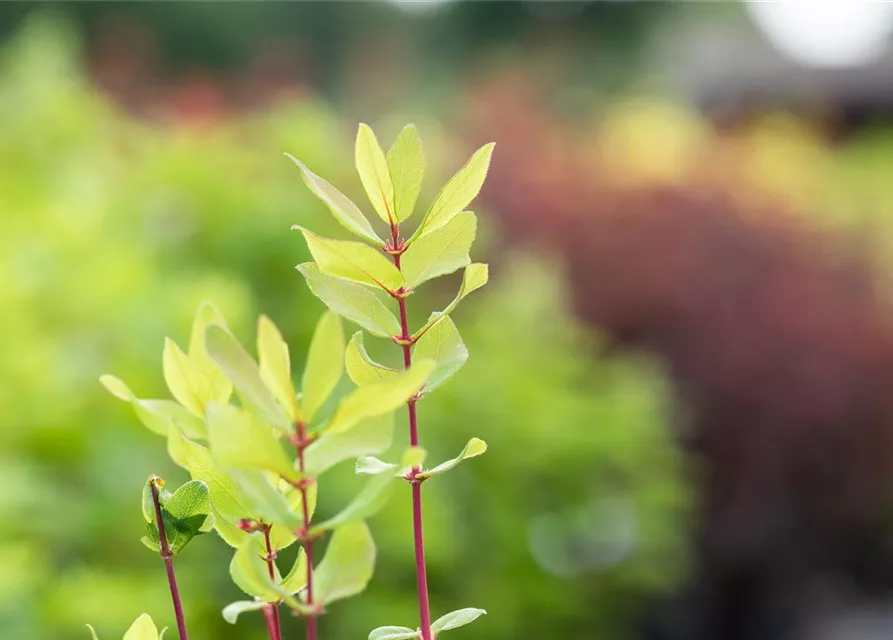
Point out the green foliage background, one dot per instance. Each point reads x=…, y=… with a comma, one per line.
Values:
x=112, y=232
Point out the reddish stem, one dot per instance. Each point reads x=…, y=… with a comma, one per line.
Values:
x=168, y=558
x=271, y=611
x=308, y=543
x=417, y=531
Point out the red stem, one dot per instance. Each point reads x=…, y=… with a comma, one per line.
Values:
x=168, y=558
x=308, y=543
x=417, y=532
x=271, y=611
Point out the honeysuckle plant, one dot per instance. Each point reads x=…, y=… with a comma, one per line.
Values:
x=364, y=281
x=255, y=463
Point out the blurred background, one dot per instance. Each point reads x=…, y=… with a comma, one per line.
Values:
x=683, y=364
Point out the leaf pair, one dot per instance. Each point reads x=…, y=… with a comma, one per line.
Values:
x=186, y=513
x=452, y=620
x=368, y=465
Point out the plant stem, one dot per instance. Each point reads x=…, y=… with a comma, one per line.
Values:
x=273, y=621
x=168, y=558
x=417, y=530
x=308, y=543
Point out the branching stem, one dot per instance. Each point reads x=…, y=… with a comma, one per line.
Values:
x=301, y=444
x=168, y=558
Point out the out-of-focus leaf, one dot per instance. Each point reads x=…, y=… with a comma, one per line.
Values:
x=474, y=277
x=156, y=415
x=250, y=572
x=379, y=397
x=413, y=457
x=372, y=436
x=371, y=466
x=360, y=367
x=266, y=500
x=456, y=619
x=353, y=261
x=185, y=379
x=296, y=579
x=474, y=448
x=355, y=302
x=274, y=366
x=345, y=211
x=393, y=633
x=325, y=362
x=442, y=251
x=456, y=194
x=406, y=163
x=240, y=440
x=143, y=628
x=366, y=504
x=348, y=565
x=374, y=174
x=443, y=344
x=219, y=386
x=232, y=611
x=242, y=370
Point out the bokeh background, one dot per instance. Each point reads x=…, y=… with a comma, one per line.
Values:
x=683, y=364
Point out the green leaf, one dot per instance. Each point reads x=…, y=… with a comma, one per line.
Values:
x=370, y=437
x=353, y=261
x=456, y=619
x=366, y=504
x=156, y=415
x=406, y=163
x=325, y=362
x=242, y=370
x=347, y=567
x=354, y=302
x=345, y=211
x=93, y=632
x=142, y=629
x=474, y=277
x=360, y=367
x=474, y=448
x=219, y=386
x=232, y=611
x=297, y=576
x=186, y=514
x=185, y=379
x=374, y=174
x=379, y=397
x=439, y=252
x=266, y=500
x=250, y=572
x=371, y=466
x=394, y=633
x=443, y=344
x=148, y=502
x=274, y=366
x=241, y=441
x=458, y=193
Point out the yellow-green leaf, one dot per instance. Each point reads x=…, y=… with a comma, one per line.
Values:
x=365, y=504
x=274, y=366
x=232, y=611
x=185, y=379
x=348, y=565
x=474, y=448
x=250, y=572
x=219, y=386
x=360, y=367
x=266, y=500
x=474, y=277
x=353, y=261
x=356, y=303
x=325, y=362
x=157, y=415
x=296, y=579
x=456, y=619
x=458, y=193
x=373, y=169
x=407, y=167
x=443, y=344
x=372, y=436
x=345, y=211
x=379, y=397
x=442, y=251
x=142, y=629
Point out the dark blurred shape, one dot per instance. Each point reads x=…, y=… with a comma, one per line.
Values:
x=778, y=341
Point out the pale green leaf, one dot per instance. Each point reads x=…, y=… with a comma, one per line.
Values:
x=443, y=344
x=371, y=466
x=379, y=397
x=439, y=252
x=406, y=163
x=274, y=366
x=240, y=440
x=394, y=633
x=413, y=457
x=250, y=572
x=142, y=629
x=242, y=370
x=474, y=277
x=372, y=436
x=156, y=415
x=265, y=500
x=93, y=632
x=374, y=174
x=360, y=367
x=185, y=379
x=366, y=504
x=296, y=579
x=353, y=261
x=325, y=362
x=474, y=448
x=348, y=565
x=458, y=193
x=232, y=611
x=345, y=211
x=219, y=386
x=456, y=619
x=355, y=302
